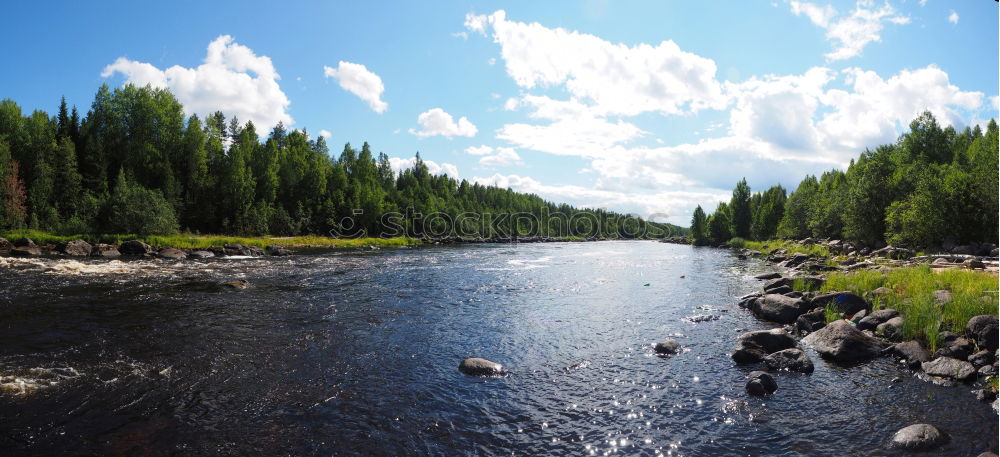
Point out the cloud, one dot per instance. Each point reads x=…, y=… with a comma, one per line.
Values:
x=436, y=121
x=325, y=133
x=398, y=165
x=614, y=78
x=854, y=31
x=356, y=79
x=462, y=35
x=953, y=17
x=231, y=79
x=495, y=157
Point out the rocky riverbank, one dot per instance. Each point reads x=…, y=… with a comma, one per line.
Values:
x=25, y=247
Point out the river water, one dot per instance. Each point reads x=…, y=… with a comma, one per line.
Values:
x=356, y=353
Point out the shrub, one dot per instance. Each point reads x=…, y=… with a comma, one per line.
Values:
x=132, y=208
x=737, y=242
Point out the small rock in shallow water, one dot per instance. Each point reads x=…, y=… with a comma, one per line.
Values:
x=475, y=366
x=668, y=346
x=947, y=367
x=760, y=383
x=919, y=437
x=791, y=360
x=239, y=284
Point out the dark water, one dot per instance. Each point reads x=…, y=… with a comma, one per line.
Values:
x=355, y=353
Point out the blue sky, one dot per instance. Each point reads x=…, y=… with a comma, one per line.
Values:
x=646, y=107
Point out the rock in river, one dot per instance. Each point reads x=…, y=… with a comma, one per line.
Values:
x=790, y=360
x=919, y=437
x=104, y=250
x=843, y=343
x=947, y=367
x=767, y=276
x=754, y=346
x=475, y=366
x=779, y=308
x=76, y=248
x=171, y=253
x=668, y=346
x=759, y=383
x=912, y=352
x=238, y=284
x=135, y=248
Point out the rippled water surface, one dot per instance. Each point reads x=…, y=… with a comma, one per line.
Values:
x=356, y=353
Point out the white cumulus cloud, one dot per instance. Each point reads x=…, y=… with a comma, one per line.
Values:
x=953, y=17
x=852, y=32
x=614, y=78
x=232, y=79
x=398, y=165
x=437, y=121
x=495, y=157
x=325, y=133
x=358, y=80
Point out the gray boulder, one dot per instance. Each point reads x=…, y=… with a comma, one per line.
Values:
x=779, y=308
x=919, y=437
x=667, y=347
x=759, y=383
x=754, y=346
x=278, y=250
x=912, y=352
x=845, y=302
x=475, y=366
x=76, y=248
x=947, y=367
x=982, y=358
x=891, y=329
x=872, y=321
x=104, y=250
x=790, y=360
x=776, y=283
x=959, y=348
x=983, y=329
x=811, y=321
x=135, y=248
x=171, y=253
x=843, y=343
x=767, y=276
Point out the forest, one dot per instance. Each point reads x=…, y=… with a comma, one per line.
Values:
x=135, y=164
x=934, y=184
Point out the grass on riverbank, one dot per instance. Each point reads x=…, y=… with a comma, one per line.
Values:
x=767, y=247
x=911, y=292
x=191, y=241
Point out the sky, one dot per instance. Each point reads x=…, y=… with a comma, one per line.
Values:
x=645, y=107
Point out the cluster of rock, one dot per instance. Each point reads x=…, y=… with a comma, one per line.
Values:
x=25, y=247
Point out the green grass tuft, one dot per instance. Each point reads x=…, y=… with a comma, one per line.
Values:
x=767, y=247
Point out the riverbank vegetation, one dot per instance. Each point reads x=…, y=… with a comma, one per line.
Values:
x=136, y=164
x=933, y=186
x=193, y=241
x=929, y=300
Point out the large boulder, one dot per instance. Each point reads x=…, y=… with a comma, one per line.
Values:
x=844, y=302
x=5, y=246
x=278, y=250
x=947, y=367
x=759, y=383
x=843, y=343
x=983, y=329
x=779, y=308
x=891, y=329
x=104, y=250
x=135, y=248
x=776, y=283
x=959, y=348
x=171, y=253
x=789, y=360
x=76, y=248
x=754, y=346
x=912, y=352
x=919, y=437
x=475, y=366
x=242, y=250
x=872, y=321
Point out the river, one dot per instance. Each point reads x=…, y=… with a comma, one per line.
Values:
x=356, y=353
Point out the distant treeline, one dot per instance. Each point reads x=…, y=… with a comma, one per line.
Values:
x=136, y=164
x=933, y=184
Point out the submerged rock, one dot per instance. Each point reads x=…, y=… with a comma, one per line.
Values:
x=790, y=360
x=238, y=284
x=843, y=343
x=983, y=329
x=947, y=367
x=754, y=346
x=475, y=366
x=760, y=383
x=667, y=347
x=919, y=437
